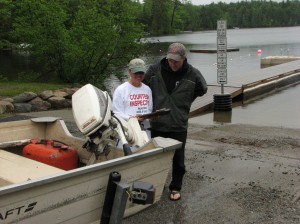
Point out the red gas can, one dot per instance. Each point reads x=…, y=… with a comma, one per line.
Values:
x=52, y=153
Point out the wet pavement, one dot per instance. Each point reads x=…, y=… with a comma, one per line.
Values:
x=235, y=174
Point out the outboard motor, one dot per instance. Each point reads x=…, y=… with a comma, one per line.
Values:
x=91, y=109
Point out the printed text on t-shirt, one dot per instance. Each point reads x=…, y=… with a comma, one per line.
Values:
x=139, y=100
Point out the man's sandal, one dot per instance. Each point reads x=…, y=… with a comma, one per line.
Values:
x=175, y=195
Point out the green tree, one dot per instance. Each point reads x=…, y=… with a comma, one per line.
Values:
x=191, y=20
x=5, y=24
x=85, y=44
x=160, y=17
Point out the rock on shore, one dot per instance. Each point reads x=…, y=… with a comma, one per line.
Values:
x=30, y=101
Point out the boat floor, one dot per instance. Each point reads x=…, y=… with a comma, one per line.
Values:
x=16, y=169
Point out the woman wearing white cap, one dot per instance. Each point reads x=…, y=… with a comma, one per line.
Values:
x=133, y=98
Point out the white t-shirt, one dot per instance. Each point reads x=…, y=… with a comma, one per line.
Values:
x=129, y=101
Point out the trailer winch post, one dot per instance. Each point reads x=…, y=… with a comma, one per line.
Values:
x=109, y=197
x=119, y=204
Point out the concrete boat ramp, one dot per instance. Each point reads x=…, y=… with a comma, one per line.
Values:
x=250, y=84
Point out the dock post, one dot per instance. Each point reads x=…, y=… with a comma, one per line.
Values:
x=222, y=102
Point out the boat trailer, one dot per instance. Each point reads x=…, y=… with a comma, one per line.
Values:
x=118, y=192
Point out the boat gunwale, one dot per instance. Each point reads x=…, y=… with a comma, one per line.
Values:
x=12, y=188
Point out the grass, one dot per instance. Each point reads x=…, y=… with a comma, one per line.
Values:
x=14, y=88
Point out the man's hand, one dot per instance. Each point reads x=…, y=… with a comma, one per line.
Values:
x=155, y=118
x=157, y=114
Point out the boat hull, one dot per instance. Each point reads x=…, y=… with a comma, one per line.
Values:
x=77, y=196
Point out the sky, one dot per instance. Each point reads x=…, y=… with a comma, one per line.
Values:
x=205, y=2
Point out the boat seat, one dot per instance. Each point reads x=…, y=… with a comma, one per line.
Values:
x=16, y=169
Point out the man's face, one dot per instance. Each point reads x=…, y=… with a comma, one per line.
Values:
x=175, y=65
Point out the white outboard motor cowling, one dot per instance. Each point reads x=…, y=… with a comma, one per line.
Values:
x=91, y=109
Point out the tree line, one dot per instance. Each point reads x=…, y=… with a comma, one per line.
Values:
x=172, y=16
x=87, y=40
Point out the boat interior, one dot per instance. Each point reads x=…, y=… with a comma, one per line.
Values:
x=15, y=168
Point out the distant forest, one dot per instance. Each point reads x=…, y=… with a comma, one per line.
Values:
x=171, y=16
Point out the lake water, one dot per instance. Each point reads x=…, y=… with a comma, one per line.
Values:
x=279, y=109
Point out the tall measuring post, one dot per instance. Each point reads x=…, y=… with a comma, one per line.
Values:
x=222, y=101
x=222, y=53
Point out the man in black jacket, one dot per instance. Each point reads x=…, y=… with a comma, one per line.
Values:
x=175, y=84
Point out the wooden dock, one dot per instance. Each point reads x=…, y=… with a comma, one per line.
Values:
x=212, y=50
x=250, y=84
x=276, y=60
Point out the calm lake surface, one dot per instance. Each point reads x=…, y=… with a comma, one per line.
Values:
x=279, y=109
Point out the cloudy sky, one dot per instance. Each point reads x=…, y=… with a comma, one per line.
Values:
x=204, y=2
